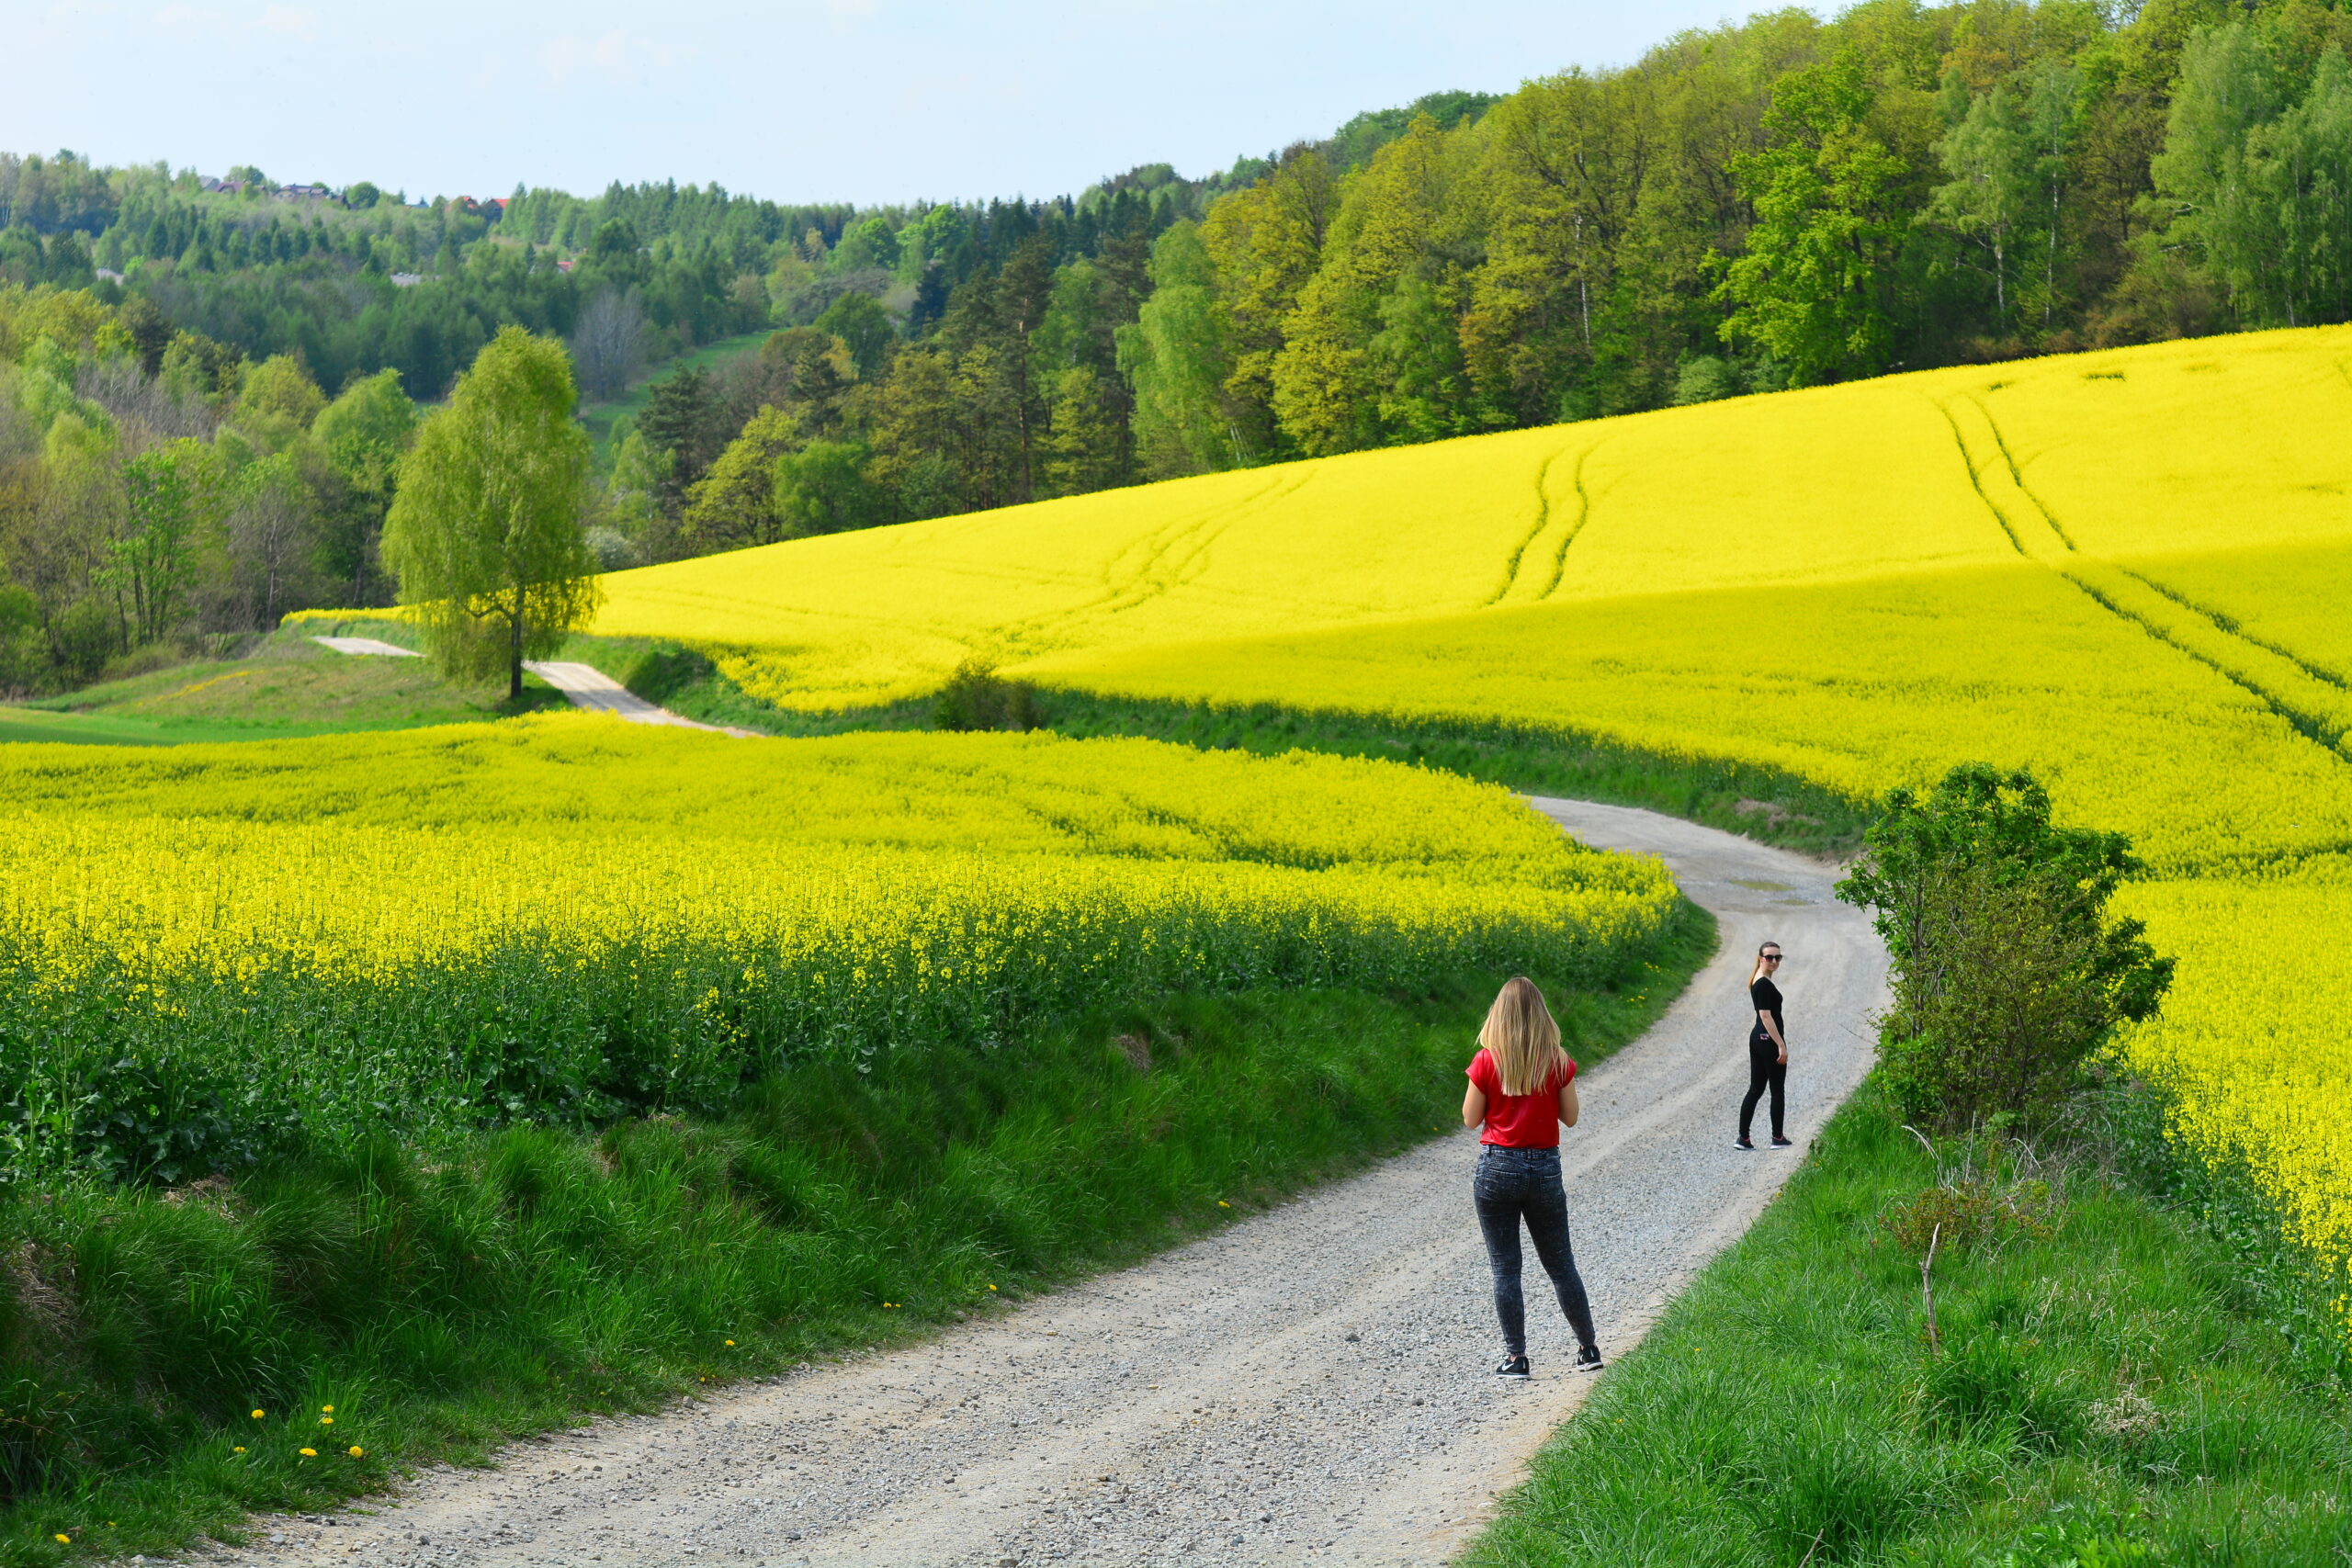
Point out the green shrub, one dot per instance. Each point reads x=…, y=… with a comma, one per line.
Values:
x=976, y=698
x=2007, y=974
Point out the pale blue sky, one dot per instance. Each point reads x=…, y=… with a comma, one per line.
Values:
x=864, y=100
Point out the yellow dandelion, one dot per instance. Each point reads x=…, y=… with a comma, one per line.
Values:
x=357, y=1451
x=326, y=1409
x=731, y=1344
x=991, y=1287
x=326, y=1420
x=238, y=1449
x=64, y=1541
x=1223, y=1204
x=310, y=1453
x=257, y=1415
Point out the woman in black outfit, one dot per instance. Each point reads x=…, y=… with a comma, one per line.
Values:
x=1767, y=1047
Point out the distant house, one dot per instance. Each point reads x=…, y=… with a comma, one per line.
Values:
x=222, y=188
x=303, y=193
x=407, y=279
x=565, y=265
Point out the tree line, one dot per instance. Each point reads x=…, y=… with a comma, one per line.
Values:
x=157, y=488
x=362, y=281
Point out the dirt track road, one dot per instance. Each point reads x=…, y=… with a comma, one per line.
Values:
x=585, y=687
x=1309, y=1386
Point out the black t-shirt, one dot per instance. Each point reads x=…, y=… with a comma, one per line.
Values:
x=1766, y=997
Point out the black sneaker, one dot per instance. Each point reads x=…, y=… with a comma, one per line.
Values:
x=1781, y=1143
x=1589, y=1359
x=1743, y=1144
x=1512, y=1367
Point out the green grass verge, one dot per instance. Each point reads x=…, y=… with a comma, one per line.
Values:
x=288, y=687
x=2113, y=1387
x=445, y=1300
x=90, y=730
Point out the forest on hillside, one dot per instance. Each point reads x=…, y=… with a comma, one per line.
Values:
x=1781, y=202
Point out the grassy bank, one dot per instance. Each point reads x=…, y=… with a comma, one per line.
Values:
x=287, y=687
x=442, y=1303
x=2113, y=1381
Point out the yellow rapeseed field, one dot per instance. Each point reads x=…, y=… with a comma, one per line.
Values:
x=2191, y=446
x=554, y=917
x=2127, y=569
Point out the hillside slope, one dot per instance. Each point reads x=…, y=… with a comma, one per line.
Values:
x=2179, y=446
x=2125, y=569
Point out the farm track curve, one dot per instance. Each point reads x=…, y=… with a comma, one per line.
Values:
x=1310, y=1385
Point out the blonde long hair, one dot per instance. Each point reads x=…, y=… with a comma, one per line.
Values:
x=1757, y=973
x=1522, y=1037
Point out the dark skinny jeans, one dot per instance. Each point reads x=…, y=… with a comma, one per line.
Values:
x=1516, y=1184
x=1765, y=1070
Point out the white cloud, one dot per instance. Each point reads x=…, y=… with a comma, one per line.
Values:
x=290, y=20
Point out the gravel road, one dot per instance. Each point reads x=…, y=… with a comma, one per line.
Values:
x=1311, y=1386
x=585, y=687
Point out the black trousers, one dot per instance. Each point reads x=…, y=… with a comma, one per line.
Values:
x=1513, y=1185
x=1765, y=1070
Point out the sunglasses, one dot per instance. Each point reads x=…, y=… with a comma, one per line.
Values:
x=1772, y=958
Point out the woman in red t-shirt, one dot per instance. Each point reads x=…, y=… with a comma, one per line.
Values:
x=1523, y=1090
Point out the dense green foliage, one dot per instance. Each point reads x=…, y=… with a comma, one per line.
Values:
x=525, y=1279
x=484, y=534
x=156, y=492
x=2007, y=972
x=2109, y=1382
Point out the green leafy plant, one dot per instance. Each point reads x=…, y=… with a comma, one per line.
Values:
x=2007, y=973
x=977, y=697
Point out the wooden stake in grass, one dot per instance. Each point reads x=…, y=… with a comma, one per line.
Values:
x=1927, y=1292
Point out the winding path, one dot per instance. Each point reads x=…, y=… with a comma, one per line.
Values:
x=1308, y=1386
x=585, y=687
x=582, y=685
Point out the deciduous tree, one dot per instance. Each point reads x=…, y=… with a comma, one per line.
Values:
x=485, y=532
x=1813, y=288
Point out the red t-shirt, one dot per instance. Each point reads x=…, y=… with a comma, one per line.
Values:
x=1519, y=1120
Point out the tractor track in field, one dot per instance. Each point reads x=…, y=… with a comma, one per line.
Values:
x=1310, y=1385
